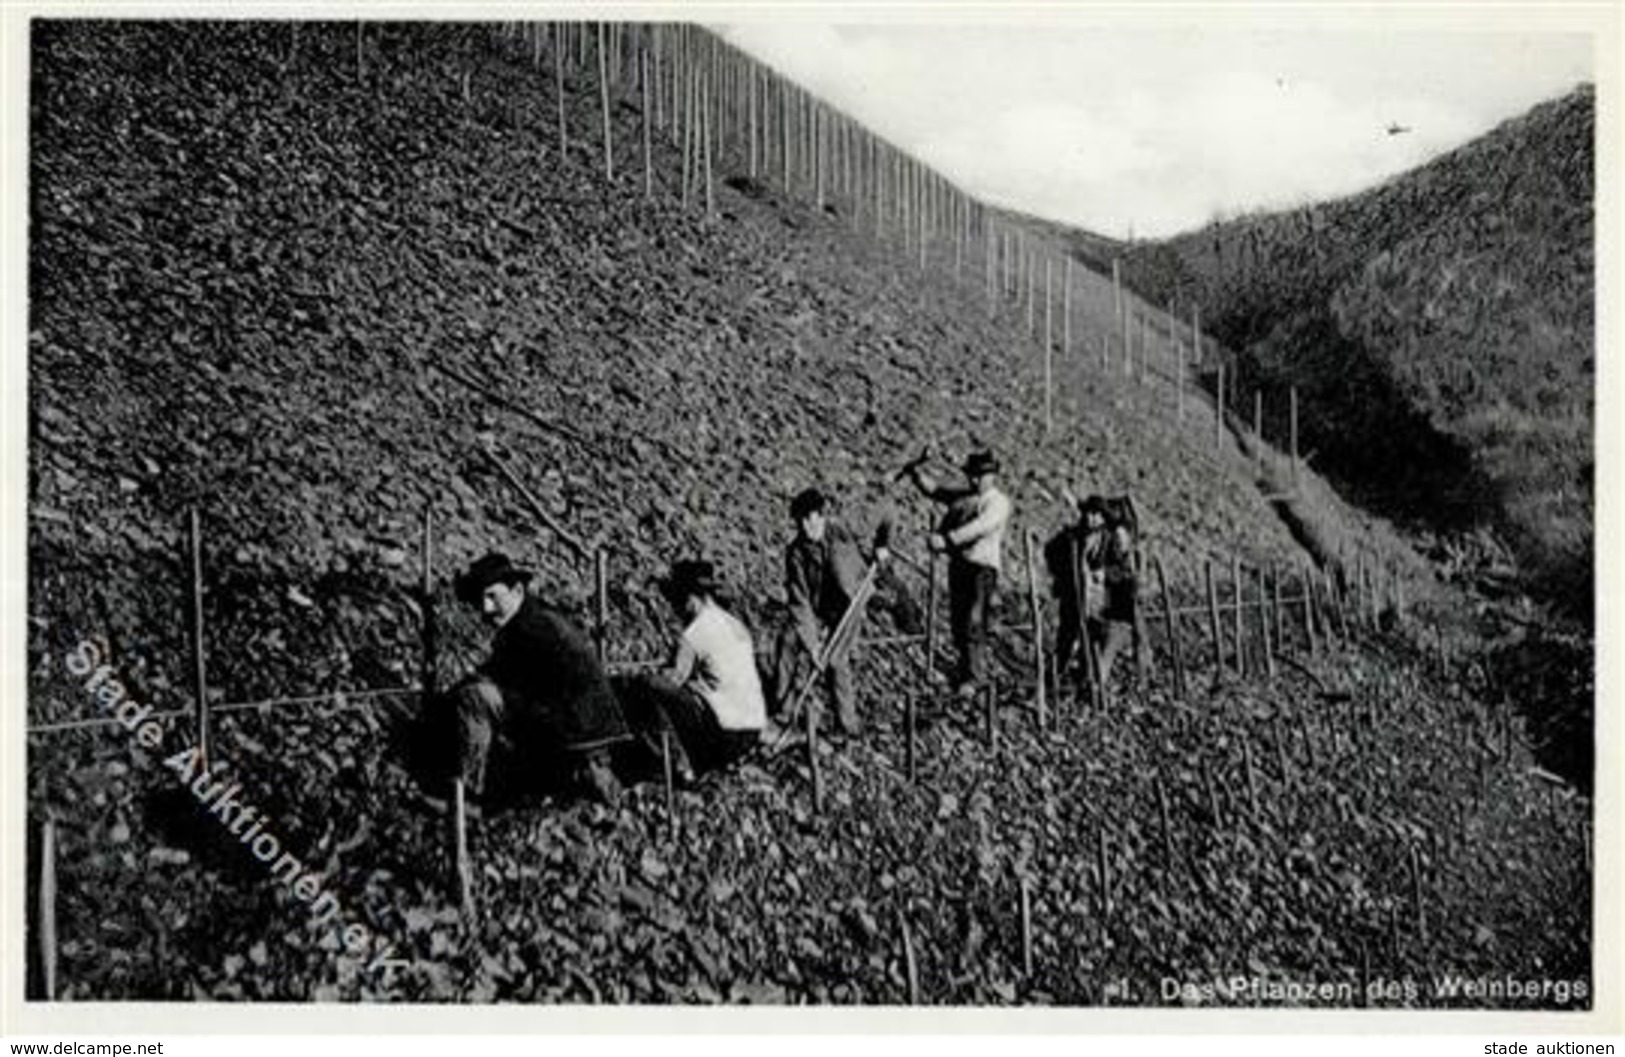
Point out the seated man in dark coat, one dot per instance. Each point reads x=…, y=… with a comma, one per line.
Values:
x=542, y=688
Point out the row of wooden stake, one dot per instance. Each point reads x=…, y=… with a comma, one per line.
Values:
x=713, y=101
x=1323, y=607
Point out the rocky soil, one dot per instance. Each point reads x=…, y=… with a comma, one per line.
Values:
x=253, y=259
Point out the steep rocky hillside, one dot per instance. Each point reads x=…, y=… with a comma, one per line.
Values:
x=248, y=262
x=266, y=263
x=1441, y=329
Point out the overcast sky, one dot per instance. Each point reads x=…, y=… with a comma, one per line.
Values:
x=1159, y=131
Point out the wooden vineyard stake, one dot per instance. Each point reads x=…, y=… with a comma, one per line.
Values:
x=1281, y=751
x=1037, y=610
x=1308, y=739
x=1339, y=612
x=1252, y=779
x=600, y=629
x=705, y=144
x=459, y=843
x=1275, y=607
x=1031, y=273
x=1175, y=654
x=1292, y=395
x=1416, y=894
x=1308, y=580
x=1258, y=427
x=690, y=129
x=988, y=704
x=1218, y=409
x=648, y=126
x=1213, y=618
x=669, y=785
x=1264, y=623
x=930, y=619
x=1167, y=829
x=1211, y=789
x=200, y=674
x=911, y=970
x=1359, y=588
x=1128, y=340
x=1196, y=335
x=1066, y=309
x=818, y=156
x=1049, y=354
x=1238, y=628
x=430, y=662
x=753, y=122
x=1117, y=289
x=911, y=749
x=1147, y=332
x=1104, y=868
x=1026, y=928
x=812, y=760
x=45, y=940
x=989, y=265
x=1138, y=636
x=558, y=88
x=603, y=104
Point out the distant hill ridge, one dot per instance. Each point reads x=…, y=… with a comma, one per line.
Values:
x=1440, y=330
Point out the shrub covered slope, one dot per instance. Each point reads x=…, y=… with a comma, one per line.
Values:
x=1440, y=328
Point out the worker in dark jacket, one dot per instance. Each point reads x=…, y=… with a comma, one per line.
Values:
x=1106, y=573
x=542, y=688
x=823, y=569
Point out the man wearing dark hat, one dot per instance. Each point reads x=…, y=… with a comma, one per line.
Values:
x=542, y=686
x=711, y=696
x=971, y=532
x=1103, y=555
x=823, y=570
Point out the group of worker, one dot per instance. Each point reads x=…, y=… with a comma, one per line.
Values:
x=545, y=695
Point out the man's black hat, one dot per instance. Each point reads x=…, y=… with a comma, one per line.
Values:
x=494, y=568
x=689, y=577
x=980, y=462
x=807, y=501
x=1095, y=504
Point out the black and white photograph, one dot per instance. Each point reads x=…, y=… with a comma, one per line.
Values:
x=560, y=507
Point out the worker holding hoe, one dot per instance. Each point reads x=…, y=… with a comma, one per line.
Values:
x=971, y=533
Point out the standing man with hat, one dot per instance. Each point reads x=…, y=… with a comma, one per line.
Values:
x=1098, y=550
x=971, y=532
x=711, y=696
x=542, y=687
x=823, y=570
